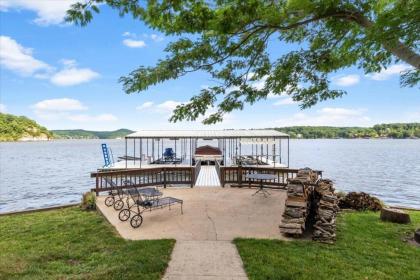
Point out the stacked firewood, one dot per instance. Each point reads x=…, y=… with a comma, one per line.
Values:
x=299, y=195
x=325, y=213
x=360, y=201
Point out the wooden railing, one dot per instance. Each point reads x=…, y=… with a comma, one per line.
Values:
x=128, y=178
x=236, y=176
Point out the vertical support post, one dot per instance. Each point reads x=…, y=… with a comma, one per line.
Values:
x=240, y=147
x=288, y=151
x=126, y=153
x=274, y=151
x=153, y=149
x=240, y=175
x=190, y=153
x=175, y=151
x=267, y=149
x=141, y=150
x=280, y=150
x=97, y=184
x=164, y=177
x=134, y=151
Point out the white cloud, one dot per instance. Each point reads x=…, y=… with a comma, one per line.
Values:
x=156, y=38
x=92, y=118
x=285, y=101
x=345, y=81
x=73, y=76
x=168, y=106
x=328, y=116
x=3, y=108
x=19, y=59
x=67, y=109
x=59, y=105
x=47, y=11
x=16, y=58
x=128, y=34
x=387, y=73
x=131, y=43
x=145, y=105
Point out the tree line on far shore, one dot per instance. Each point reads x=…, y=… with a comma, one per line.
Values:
x=14, y=128
x=393, y=130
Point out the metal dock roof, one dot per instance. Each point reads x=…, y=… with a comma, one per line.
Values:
x=228, y=133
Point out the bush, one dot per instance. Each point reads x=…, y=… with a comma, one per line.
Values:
x=88, y=201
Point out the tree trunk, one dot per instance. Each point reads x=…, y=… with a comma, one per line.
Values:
x=396, y=48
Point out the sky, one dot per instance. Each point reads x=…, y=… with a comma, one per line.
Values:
x=66, y=77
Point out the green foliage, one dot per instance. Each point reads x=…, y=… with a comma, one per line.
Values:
x=230, y=40
x=88, y=201
x=13, y=128
x=366, y=248
x=86, y=134
x=395, y=130
x=74, y=244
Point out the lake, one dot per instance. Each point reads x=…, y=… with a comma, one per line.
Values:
x=42, y=174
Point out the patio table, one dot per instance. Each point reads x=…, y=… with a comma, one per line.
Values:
x=261, y=177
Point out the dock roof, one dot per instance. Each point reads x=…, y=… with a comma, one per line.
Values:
x=227, y=133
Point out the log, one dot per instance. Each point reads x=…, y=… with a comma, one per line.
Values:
x=417, y=235
x=293, y=203
x=291, y=226
x=291, y=231
x=395, y=216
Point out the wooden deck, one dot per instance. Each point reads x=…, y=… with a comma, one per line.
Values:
x=208, y=177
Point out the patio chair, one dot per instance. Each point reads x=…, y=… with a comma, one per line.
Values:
x=168, y=154
x=116, y=195
x=140, y=205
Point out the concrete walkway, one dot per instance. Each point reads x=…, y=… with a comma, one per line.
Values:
x=205, y=260
x=212, y=218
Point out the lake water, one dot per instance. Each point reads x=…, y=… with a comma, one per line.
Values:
x=41, y=174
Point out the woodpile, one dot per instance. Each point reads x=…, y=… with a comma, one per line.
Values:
x=298, y=202
x=395, y=216
x=325, y=212
x=360, y=201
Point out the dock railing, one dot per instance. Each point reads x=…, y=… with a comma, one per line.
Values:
x=236, y=176
x=130, y=178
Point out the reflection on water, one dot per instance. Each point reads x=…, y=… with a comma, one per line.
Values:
x=41, y=174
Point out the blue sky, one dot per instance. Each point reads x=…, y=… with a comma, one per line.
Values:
x=66, y=77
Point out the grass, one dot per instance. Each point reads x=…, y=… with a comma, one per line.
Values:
x=366, y=249
x=73, y=244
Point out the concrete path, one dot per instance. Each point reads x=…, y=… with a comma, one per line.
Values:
x=210, y=214
x=205, y=260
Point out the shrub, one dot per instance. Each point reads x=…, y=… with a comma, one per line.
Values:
x=88, y=201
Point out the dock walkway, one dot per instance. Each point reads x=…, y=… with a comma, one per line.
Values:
x=207, y=177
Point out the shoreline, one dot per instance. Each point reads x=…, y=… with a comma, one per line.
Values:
x=28, y=211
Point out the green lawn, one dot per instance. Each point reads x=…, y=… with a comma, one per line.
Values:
x=73, y=244
x=366, y=249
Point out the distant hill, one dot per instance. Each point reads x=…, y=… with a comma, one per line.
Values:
x=20, y=128
x=392, y=130
x=87, y=134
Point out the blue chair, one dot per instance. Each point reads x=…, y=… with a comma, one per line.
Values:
x=168, y=154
